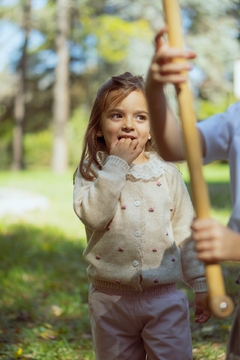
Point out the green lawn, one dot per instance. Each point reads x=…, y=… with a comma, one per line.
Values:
x=43, y=282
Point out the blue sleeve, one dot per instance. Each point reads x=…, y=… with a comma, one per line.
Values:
x=221, y=133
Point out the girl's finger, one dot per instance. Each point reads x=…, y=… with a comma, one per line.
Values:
x=134, y=143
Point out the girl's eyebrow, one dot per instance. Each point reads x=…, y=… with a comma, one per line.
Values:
x=122, y=111
x=113, y=110
x=141, y=112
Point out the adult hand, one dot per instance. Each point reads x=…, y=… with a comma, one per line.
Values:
x=215, y=242
x=163, y=68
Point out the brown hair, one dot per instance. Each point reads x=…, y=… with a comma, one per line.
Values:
x=123, y=85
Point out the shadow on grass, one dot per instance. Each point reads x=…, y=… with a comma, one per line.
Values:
x=219, y=195
x=43, y=300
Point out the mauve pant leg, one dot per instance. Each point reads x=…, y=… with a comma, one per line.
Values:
x=167, y=334
x=115, y=329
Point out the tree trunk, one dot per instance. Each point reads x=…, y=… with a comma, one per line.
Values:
x=19, y=102
x=61, y=90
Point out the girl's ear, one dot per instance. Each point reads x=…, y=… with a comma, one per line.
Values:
x=149, y=136
x=99, y=133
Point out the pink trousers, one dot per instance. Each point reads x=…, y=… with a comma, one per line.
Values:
x=152, y=325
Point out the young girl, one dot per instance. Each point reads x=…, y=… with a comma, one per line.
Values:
x=137, y=214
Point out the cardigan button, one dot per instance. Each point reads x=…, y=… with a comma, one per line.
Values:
x=137, y=203
x=135, y=263
x=137, y=233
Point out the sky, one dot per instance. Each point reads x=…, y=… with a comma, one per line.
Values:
x=10, y=36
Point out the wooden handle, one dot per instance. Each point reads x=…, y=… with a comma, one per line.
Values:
x=220, y=304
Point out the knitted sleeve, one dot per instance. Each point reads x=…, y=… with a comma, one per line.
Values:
x=94, y=202
x=193, y=269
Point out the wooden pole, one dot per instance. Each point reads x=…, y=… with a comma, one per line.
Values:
x=220, y=304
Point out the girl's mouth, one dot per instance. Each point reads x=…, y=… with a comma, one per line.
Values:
x=126, y=137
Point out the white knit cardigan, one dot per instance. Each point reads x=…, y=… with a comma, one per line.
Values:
x=137, y=222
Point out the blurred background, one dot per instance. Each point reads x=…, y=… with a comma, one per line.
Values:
x=56, y=54
x=54, y=57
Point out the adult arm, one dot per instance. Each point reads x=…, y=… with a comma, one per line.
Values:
x=164, y=126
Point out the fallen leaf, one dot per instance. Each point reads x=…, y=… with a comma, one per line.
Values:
x=57, y=311
x=18, y=353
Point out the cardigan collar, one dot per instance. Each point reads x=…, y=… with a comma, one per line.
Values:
x=150, y=170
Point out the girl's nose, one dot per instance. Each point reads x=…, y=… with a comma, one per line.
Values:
x=128, y=124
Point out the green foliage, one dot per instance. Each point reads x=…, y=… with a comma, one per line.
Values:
x=5, y=146
x=5, y=158
x=217, y=177
x=207, y=108
x=114, y=35
x=38, y=149
x=76, y=131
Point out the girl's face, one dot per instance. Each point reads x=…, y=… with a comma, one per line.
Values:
x=128, y=119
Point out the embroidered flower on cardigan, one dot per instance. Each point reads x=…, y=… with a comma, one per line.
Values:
x=156, y=280
x=154, y=249
x=171, y=209
x=123, y=207
x=151, y=209
x=98, y=257
x=120, y=248
x=158, y=183
x=173, y=259
x=117, y=281
x=166, y=233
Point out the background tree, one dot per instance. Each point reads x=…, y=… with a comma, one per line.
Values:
x=61, y=89
x=19, y=101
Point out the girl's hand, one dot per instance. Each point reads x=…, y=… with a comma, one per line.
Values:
x=202, y=313
x=126, y=149
x=163, y=68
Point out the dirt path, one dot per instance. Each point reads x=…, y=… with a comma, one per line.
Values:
x=18, y=202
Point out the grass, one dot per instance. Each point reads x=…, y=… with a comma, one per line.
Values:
x=44, y=289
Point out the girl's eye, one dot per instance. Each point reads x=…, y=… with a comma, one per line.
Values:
x=115, y=116
x=141, y=117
